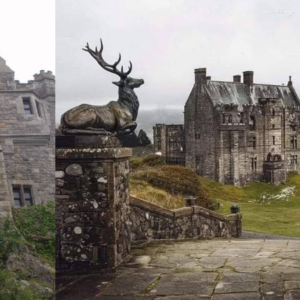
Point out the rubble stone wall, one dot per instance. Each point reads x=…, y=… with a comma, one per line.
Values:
x=150, y=221
x=92, y=207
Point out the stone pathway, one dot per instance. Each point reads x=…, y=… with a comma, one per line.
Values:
x=198, y=269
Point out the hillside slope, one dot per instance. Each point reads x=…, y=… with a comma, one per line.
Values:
x=265, y=208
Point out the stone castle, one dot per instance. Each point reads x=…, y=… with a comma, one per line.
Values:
x=27, y=146
x=235, y=132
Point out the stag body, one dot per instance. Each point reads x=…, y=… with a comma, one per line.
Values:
x=116, y=117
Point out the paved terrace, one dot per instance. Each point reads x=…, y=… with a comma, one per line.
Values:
x=199, y=269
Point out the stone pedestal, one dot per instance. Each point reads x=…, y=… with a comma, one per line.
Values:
x=92, y=202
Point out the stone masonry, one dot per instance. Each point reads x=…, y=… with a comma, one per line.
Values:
x=27, y=129
x=197, y=269
x=169, y=140
x=96, y=218
x=92, y=203
x=151, y=222
x=237, y=132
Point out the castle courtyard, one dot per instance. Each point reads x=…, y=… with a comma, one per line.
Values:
x=244, y=269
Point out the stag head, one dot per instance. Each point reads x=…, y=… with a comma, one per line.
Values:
x=125, y=80
x=97, y=55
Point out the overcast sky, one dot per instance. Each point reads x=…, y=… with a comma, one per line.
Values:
x=27, y=41
x=167, y=39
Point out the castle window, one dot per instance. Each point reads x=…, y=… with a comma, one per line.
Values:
x=230, y=119
x=273, y=126
x=254, y=163
x=241, y=116
x=22, y=196
x=224, y=119
x=294, y=160
x=27, y=106
x=27, y=196
x=252, y=142
x=252, y=123
x=273, y=139
x=294, y=142
x=273, y=112
x=17, y=196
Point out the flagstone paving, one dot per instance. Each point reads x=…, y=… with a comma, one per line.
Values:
x=197, y=269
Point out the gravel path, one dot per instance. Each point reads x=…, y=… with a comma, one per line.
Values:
x=256, y=235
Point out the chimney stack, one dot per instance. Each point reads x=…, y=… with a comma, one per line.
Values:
x=200, y=75
x=248, y=77
x=290, y=83
x=237, y=78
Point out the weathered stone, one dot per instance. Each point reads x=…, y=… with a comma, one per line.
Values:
x=27, y=130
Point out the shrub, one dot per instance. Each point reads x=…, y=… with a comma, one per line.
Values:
x=11, y=289
x=10, y=240
x=37, y=224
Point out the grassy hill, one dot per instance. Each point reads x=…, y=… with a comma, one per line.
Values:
x=265, y=208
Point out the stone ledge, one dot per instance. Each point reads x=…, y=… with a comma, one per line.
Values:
x=93, y=153
x=184, y=211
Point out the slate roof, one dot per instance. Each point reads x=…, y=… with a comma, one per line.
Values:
x=221, y=92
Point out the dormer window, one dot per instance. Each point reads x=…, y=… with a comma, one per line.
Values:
x=27, y=106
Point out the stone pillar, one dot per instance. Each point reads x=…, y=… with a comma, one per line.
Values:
x=92, y=202
x=5, y=204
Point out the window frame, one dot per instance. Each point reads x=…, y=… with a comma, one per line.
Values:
x=21, y=189
x=29, y=103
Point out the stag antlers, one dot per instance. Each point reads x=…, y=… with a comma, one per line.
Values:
x=106, y=66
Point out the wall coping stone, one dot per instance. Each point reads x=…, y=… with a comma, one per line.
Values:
x=184, y=211
x=93, y=153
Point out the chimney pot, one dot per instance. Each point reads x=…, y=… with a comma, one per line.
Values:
x=237, y=78
x=248, y=77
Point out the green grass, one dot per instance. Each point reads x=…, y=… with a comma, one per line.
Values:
x=280, y=217
x=38, y=221
x=166, y=185
x=176, y=181
x=160, y=197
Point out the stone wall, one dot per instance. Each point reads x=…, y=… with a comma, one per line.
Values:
x=92, y=207
x=169, y=140
x=150, y=221
x=27, y=139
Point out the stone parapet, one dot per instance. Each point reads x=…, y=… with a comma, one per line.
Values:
x=151, y=222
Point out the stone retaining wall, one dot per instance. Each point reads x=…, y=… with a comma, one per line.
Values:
x=150, y=221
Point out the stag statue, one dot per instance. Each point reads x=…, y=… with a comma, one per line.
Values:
x=116, y=117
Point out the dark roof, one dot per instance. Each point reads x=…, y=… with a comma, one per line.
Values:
x=221, y=92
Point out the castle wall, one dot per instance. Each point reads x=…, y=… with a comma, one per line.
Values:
x=27, y=139
x=230, y=142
